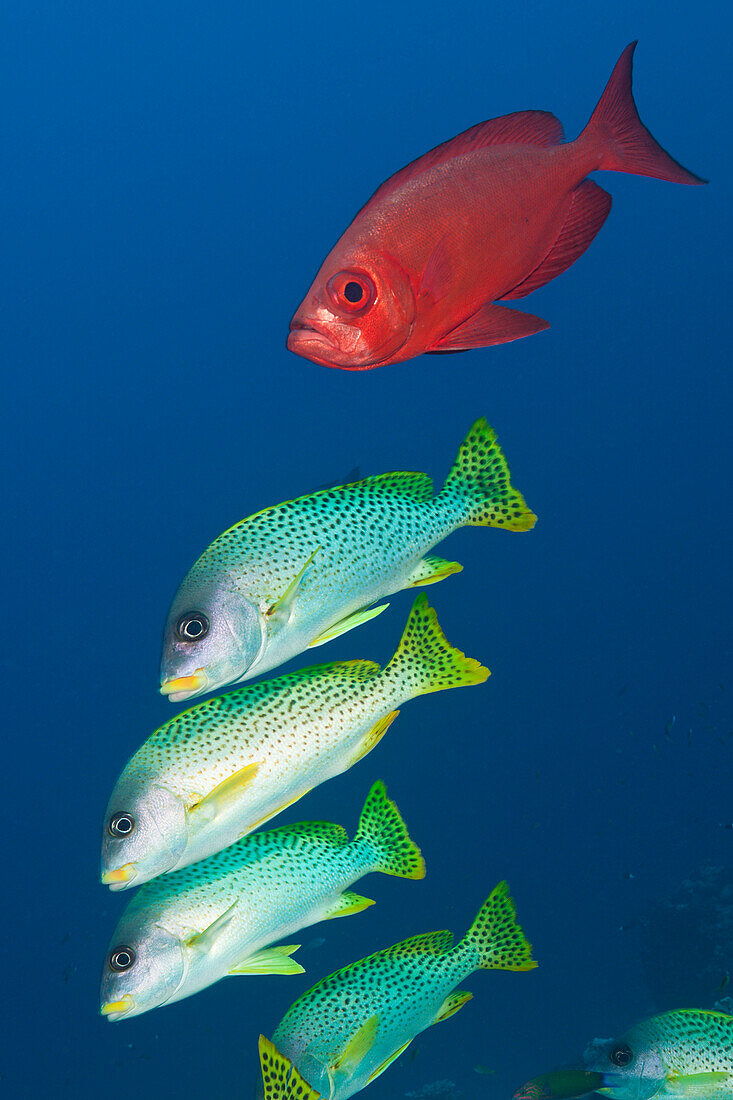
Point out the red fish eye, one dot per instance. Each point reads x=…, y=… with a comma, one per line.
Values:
x=351, y=291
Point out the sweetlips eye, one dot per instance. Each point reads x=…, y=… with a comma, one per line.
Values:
x=192, y=627
x=121, y=825
x=351, y=291
x=621, y=1054
x=122, y=958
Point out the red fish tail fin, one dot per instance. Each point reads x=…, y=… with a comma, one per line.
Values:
x=623, y=142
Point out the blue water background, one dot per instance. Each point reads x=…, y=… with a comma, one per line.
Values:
x=173, y=176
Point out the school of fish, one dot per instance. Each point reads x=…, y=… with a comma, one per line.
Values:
x=426, y=266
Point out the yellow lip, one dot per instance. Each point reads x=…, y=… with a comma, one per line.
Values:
x=123, y=874
x=122, y=1006
x=185, y=684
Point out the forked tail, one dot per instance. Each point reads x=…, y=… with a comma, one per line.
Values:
x=425, y=660
x=495, y=938
x=478, y=485
x=622, y=141
x=381, y=825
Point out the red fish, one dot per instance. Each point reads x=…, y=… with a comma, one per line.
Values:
x=484, y=218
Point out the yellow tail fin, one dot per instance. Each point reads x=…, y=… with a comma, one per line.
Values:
x=479, y=484
x=280, y=1078
x=425, y=660
x=497, y=937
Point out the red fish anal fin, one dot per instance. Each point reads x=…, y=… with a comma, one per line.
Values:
x=588, y=211
x=492, y=324
x=519, y=128
x=623, y=142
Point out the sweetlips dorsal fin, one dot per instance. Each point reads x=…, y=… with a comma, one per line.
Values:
x=519, y=128
x=280, y=1078
x=300, y=833
x=401, y=482
x=427, y=943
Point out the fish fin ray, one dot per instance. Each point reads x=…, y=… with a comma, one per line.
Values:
x=452, y=1004
x=491, y=324
x=358, y=618
x=588, y=211
x=697, y=1085
x=270, y=960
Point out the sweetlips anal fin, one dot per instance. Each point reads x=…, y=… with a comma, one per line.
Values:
x=349, y=623
x=452, y=1004
x=346, y=904
x=432, y=570
x=217, y=801
x=271, y=960
x=491, y=324
x=388, y=1062
x=279, y=613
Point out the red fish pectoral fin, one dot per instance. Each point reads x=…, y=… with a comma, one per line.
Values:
x=588, y=211
x=492, y=324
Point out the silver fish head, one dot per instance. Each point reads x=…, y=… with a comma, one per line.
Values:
x=144, y=968
x=630, y=1070
x=145, y=834
x=213, y=635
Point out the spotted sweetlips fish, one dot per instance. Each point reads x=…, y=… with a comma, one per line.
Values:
x=350, y=1027
x=482, y=219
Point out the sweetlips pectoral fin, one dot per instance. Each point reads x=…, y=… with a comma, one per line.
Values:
x=205, y=941
x=356, y=1049
x=279, y=613
x=452, y=1004
x=271, y=960
x=220, y=799
x=492, y=324
x=431, y=570
x=348, y=623
x=346, y=904
x=373, y=737
x=388, y=1062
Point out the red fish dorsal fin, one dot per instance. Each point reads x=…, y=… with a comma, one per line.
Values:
x=519, y=128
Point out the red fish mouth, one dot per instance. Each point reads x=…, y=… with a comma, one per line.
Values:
x=313, y=340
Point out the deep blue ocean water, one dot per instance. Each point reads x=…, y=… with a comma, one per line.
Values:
x=174, y=175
